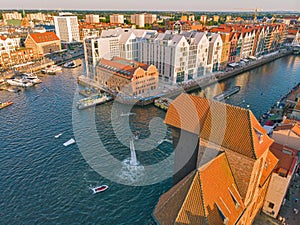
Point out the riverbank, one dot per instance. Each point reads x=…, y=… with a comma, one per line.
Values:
x=171, y=91
x=220, y=76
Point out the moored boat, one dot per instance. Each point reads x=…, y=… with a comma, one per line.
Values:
x=99, y=189
x=5, y=104
x=93, y=100
x=71, y=64
x=69, y=142
x=20, y=82
x=52, y=70
x=31, y=77
x=227, y=93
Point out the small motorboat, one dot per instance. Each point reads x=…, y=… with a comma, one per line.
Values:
x=57, y=136
x=5, y=104
x=99, y=189
x=69, y=142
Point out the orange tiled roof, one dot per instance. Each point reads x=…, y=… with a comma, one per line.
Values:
x=44, y=37
x=296, y=129
x=3, y=38
x=212, y=186
x=225, y=125
x=269, y=166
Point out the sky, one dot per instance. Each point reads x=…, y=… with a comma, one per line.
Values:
x=140, y=5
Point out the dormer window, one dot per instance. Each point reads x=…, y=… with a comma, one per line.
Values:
x=259, y=136
x=223, y=217
x=236, y=203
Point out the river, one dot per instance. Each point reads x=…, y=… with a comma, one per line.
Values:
x=43, y=182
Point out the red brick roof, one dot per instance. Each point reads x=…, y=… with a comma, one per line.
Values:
x=225, y=125
x=44, y=37
x=287, y=157
x=121, y=67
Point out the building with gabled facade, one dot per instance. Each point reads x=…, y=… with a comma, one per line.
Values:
x=281, y=178
x=233, y=45
x=218, y=179
x=8, y=44
x=225, y=50
x=127, y=76
x=42, y=43
x=215, y=52
x=288, y=134
x=198, y=54
x=248, y=42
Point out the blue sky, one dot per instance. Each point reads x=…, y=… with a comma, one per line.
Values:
x=179, y=5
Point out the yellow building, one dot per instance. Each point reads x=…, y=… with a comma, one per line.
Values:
x=225, y=50
x=42, y=43
x=127, y=76
x=216, y=18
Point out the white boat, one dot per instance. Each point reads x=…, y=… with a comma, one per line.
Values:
x=31, y=78
x=71, y=64
x=19, y=82
x=51, y=70
x=69, y=142
x=127, y=114
x=99, y=189
x=57, y=136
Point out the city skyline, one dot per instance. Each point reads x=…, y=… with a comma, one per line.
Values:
x=229, y=5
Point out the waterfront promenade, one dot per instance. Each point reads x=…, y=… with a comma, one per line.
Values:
x=167, y=90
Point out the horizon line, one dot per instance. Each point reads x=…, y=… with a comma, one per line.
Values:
x=154, y=10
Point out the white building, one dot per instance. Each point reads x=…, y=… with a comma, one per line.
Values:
x=12, y=16
x=8, y=45
x=138, y=19
x=113, y=42
x=91, y=18
x=248, y=43
x=178, y=57
x=116, y=18
x=66, y=27
x=36, y=16
x=215, y=52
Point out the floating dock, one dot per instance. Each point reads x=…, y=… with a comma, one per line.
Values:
x=93, y=100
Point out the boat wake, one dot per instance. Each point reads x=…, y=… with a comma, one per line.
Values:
x=131, y=173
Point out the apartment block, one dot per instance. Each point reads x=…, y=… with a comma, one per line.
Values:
x=12, y=16
x=66, y=27
x=116, y=18
x=91, y=18
x=138, y=19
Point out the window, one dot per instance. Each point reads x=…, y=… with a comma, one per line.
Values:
x=237, y=204
x=224, y=218
x=271, y=205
